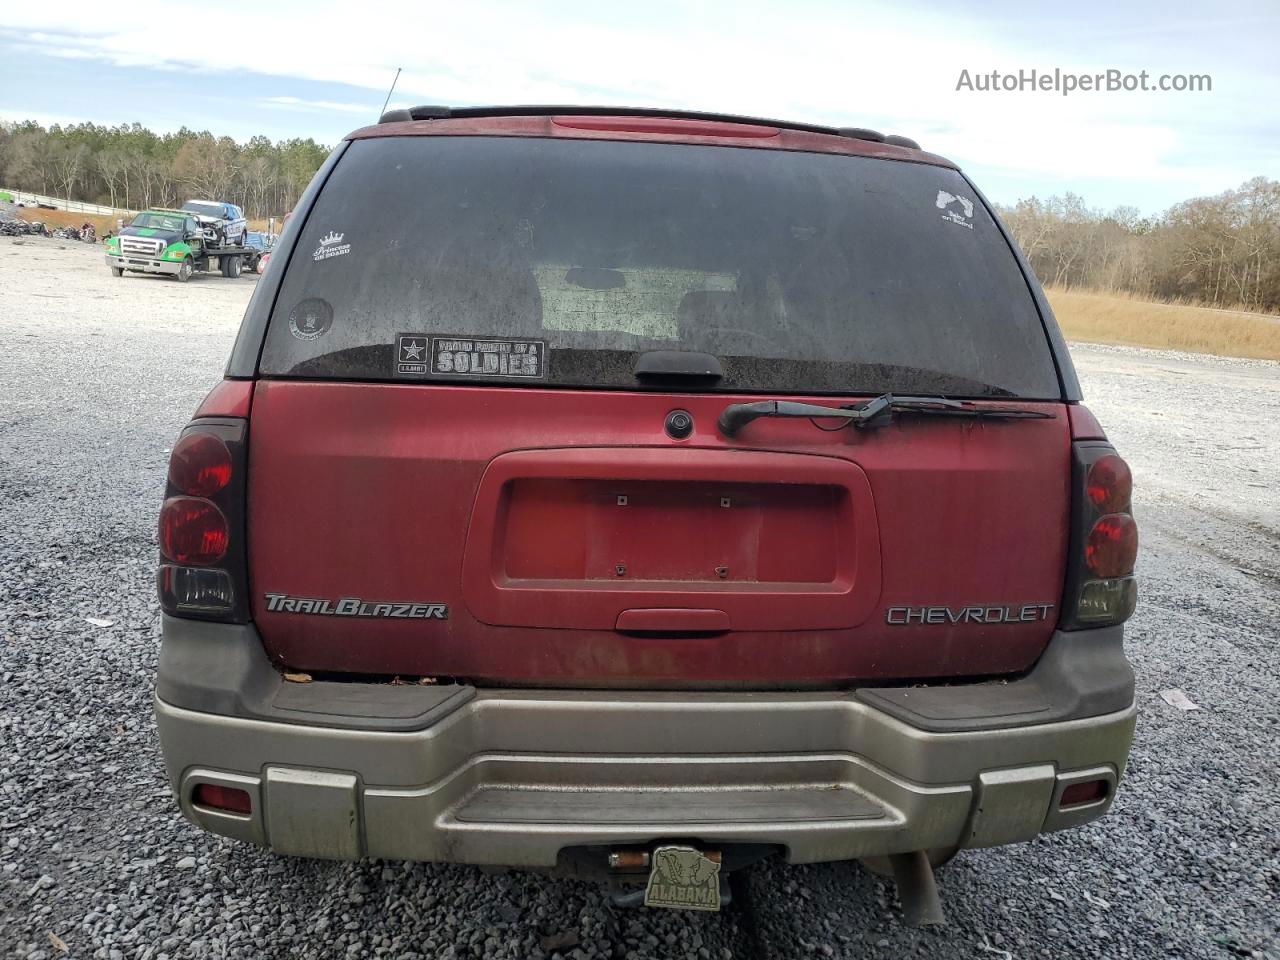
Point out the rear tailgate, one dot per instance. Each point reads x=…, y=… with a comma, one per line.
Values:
x=453, y=470
x=576, y=543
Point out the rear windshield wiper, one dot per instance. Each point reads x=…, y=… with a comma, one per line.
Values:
x=865, y=416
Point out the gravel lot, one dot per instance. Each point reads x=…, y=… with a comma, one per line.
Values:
x=97, y=375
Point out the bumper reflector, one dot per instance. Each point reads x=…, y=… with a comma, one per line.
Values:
x=1078, y=794
x=215, y=797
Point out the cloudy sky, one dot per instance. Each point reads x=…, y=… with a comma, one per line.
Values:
x=321, y=68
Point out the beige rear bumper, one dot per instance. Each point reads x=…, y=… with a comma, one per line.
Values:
x=514, y=777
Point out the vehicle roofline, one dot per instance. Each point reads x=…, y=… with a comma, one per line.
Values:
x=597, y=110
x=524, y=120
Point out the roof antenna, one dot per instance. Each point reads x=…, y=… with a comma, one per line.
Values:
x=391, y=91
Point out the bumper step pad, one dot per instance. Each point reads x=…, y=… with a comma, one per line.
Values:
x=670, y=806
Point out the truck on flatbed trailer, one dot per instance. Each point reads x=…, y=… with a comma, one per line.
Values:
x=173, y=242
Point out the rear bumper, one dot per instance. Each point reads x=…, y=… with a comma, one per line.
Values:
x=515, y=777
x=143, y=264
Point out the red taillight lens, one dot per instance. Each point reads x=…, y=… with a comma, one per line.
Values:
x=200, y=465
x=202, y=572
x=1112, y=546
x=1078, y=794
x=193, y=532
x=222, y=798
x=1110, y=484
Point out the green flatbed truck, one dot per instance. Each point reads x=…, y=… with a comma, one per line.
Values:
x=172, y=242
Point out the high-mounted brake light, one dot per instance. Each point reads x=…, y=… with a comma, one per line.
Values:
x=677, y=126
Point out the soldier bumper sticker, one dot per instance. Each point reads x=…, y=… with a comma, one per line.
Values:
x=420, y=356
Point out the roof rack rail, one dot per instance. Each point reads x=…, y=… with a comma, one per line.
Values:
x=435, y=112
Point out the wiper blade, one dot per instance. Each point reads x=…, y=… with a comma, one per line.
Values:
x=873, y=413
x=737, y=415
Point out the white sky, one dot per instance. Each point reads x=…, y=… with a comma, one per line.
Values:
x=321, y=67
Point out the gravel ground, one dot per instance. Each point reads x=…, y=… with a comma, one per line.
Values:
x=97, y=375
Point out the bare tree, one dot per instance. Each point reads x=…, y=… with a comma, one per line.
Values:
x=113, y=167
x=68, y=163
x=1220, y=250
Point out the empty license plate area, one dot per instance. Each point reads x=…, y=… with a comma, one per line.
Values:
x=695, y=532
x=576, y=538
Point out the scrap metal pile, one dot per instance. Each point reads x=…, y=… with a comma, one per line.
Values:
x=12, y=227
x=21, y=228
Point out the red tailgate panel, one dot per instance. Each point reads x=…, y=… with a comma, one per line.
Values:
x=502, y=503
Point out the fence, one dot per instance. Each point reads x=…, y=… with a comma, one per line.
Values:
x=73, y=206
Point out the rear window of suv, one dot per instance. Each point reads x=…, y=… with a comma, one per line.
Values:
x=555, y=262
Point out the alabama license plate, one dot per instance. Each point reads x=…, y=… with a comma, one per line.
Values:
x=682, y=878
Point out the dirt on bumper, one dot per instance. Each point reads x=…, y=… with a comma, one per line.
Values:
x=513, y=777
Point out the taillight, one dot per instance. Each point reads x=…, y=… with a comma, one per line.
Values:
x=200, y=464
x=187, y=590
x=193, y=532
x=1100, y=589
x=1109, y=484
x=1101, y=603
x=201, y=532
x=1112, y=546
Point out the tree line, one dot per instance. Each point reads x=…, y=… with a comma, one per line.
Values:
x=129, y=167
x=1222, y=250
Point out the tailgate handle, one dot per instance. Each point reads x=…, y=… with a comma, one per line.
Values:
x=672, y=620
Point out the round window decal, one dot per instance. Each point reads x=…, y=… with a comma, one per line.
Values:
x=310, y=319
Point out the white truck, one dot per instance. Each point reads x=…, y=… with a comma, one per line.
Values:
x=223, y=224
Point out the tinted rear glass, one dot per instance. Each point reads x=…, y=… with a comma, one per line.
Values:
x=556, y=262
